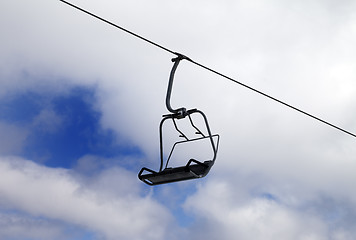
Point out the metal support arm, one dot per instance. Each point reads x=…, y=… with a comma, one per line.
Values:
x=179, y=111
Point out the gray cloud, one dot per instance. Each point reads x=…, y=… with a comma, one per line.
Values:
x=14, y=225
x=12, y=138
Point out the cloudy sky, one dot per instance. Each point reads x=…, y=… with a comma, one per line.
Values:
x=80, y=104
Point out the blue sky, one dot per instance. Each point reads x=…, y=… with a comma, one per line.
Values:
x=72, y=131
x=80, y=105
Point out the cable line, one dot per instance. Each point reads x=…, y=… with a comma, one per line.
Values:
x=210, y=69
x=117, y=26
x=275, y=99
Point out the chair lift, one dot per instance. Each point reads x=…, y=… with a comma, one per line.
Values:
x=194, y=168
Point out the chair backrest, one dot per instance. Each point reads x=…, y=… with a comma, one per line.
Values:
x=202, y=135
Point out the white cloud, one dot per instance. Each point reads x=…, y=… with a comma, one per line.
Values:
x=56, y=194
x=223, y=212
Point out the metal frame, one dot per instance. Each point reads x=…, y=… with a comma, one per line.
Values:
x=194, y=168
x=173, y=117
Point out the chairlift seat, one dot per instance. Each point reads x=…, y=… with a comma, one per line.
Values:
x=194, y=169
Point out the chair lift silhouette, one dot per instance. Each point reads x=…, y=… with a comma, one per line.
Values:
x=194, y=168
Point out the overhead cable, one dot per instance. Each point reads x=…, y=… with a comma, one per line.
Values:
x=210, y=69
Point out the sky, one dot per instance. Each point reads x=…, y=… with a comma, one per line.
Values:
x=81, y=102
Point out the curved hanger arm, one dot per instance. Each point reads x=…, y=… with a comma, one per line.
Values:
x=179, y=111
